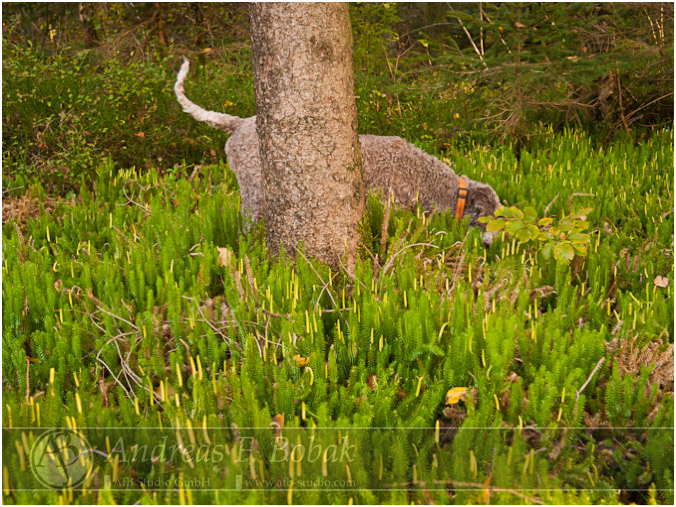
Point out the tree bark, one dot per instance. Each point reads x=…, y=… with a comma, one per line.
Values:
x=313, y=182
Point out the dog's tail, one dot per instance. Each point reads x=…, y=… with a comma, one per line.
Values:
x=220, y=121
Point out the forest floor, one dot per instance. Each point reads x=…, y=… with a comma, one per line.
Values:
x=141, y=316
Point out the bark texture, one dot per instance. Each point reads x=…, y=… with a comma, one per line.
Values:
x=313, y=185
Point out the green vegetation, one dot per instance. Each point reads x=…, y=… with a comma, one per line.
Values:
x=67, y=114
x=139, y=308
x=564, y=240
x=124, y=290
x=70, y=105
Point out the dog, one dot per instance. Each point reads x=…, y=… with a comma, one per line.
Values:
x=391, y=165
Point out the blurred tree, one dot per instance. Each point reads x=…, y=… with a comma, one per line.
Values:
x=91, y=36
x=589, y=64
x=471, y=71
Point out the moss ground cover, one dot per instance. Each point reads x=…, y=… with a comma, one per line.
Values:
x=142, y=310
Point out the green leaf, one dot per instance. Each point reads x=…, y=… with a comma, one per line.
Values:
x=510, y=212
x=543, y=222
x=507, y=212
x=517, y=212
x=523, y=235
x=579, y=237
x=580, y=249
x=485, y=220
x=534, y=231
x=495, y=225
x=530, y=213
x=547, y=250
x=582, y=213
x=514, y=226
x=564, y=251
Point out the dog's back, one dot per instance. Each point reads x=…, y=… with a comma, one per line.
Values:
x=391, y=164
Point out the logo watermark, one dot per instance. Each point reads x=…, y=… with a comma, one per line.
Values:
x=194, y=458
x=60, y=458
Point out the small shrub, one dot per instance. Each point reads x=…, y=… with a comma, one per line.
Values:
x=564, y=239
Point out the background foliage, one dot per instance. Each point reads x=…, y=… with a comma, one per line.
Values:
x=136, y=299
x=80, y=86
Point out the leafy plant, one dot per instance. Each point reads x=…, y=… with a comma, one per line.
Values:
x=564, y=239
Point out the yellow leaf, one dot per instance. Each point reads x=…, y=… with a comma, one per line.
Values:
x=278, y=424
x=456, y=394
x=486, y=493
x=301, y=361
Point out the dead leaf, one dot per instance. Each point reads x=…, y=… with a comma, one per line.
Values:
x=661, y=281
x=632, y=355
x=541, y=292
x=25, y=207
x=140, y=134
x=607, y=229
x=455, y=394
x=486, y=493
x=225, y=256
x=104, y=388
x=278, y=424
x=455, y=414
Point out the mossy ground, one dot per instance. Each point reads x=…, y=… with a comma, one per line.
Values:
x=143, y=308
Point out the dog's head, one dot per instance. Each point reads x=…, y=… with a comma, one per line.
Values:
x=482, y=201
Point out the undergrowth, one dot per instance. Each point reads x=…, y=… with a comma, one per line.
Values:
x=144, y=310
x=67, y=114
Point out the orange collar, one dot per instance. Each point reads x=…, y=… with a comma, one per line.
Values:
x=463, y=192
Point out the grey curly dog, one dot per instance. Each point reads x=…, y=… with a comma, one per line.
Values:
x=391, y=164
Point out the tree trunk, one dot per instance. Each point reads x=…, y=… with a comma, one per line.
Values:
x=313, y=182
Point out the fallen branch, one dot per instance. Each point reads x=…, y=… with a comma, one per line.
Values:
x=469, y=36
x=405, y=248
x=209, y=323
x=326, y=285
x=550, y=204
x=596, y=368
